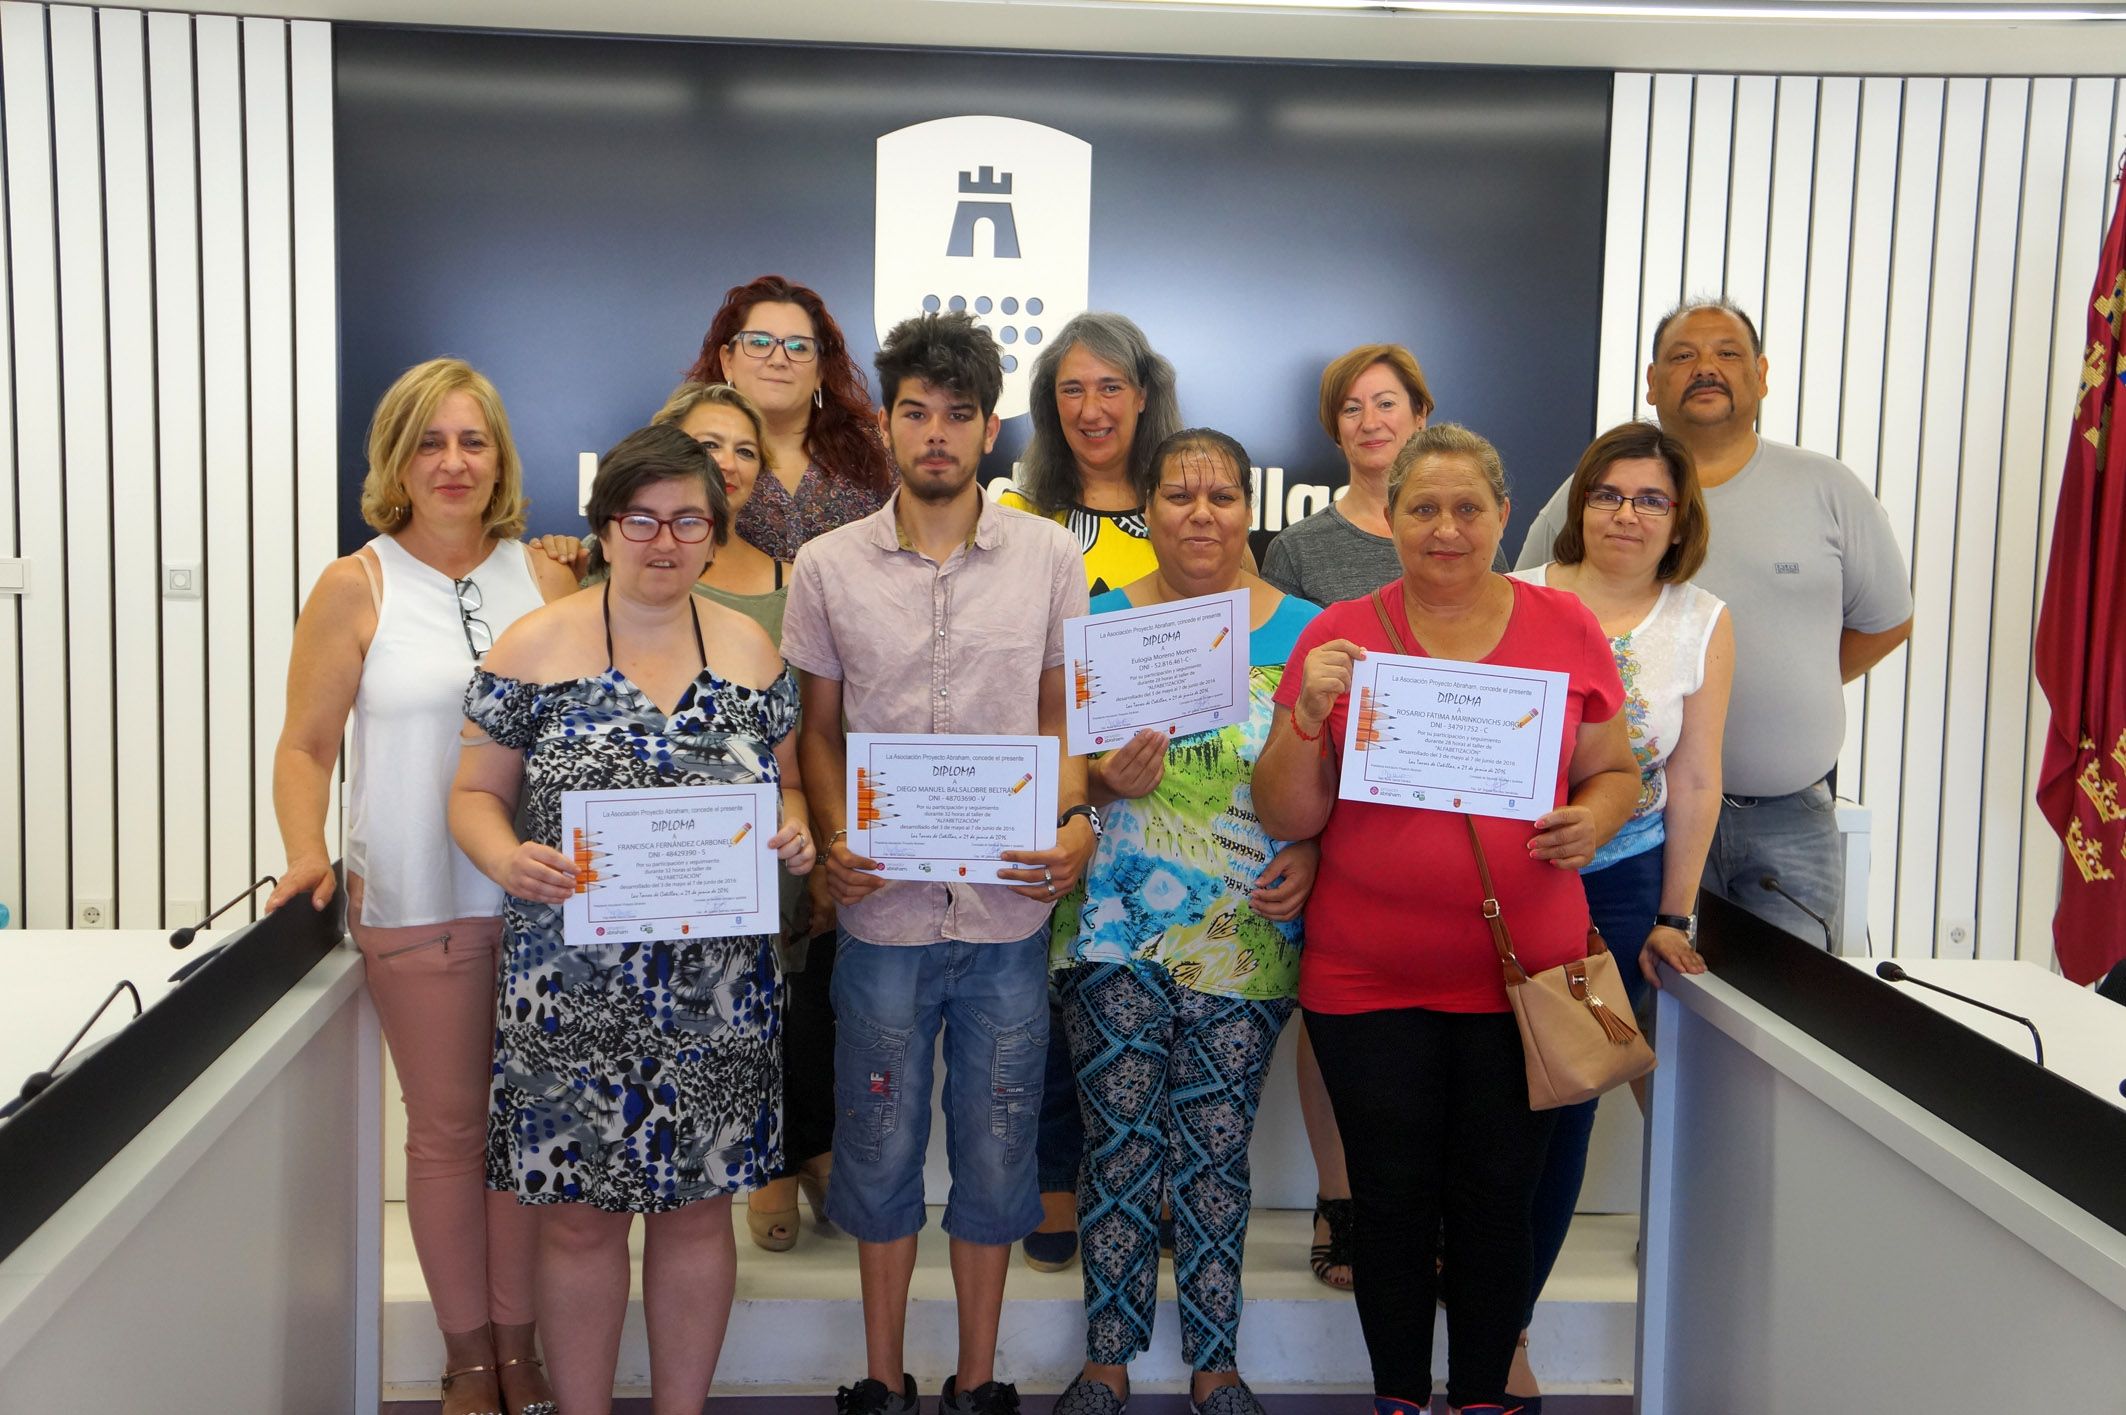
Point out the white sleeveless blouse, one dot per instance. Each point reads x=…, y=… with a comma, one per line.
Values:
x=1662, y=662
x=403, y=738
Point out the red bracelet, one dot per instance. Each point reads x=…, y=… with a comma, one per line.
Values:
x=1303, y=735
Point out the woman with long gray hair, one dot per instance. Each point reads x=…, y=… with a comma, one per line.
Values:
x=1102, y=399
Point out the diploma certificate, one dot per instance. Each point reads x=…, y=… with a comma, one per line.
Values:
x=1446, y=736
x=942, y=807
x=1181, y=668
x=670, y=863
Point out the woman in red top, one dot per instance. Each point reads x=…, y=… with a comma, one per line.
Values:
x=1401, y=985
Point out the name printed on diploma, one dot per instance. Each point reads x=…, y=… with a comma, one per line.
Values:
x=945, y=806
x=1178, y=668
x=1443, y=735
x=670, y=863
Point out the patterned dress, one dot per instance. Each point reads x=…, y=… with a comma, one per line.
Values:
x=635, y=1077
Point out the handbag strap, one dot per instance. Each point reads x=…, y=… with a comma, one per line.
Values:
x=1516, y=975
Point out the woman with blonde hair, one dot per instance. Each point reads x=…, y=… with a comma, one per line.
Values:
x=383, y=652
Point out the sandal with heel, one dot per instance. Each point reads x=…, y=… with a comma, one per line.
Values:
x=1336, y=1253
x=536, y=1407
x=463, y=1371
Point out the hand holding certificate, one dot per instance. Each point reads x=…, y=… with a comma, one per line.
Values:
x=942, y=807
x=1447, y=736
x=1178, y=668
x=670, y=863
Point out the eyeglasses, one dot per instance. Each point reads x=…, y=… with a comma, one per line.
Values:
x=758, y=344
x=640, y=526
x=478, y=637
x=1646, y=503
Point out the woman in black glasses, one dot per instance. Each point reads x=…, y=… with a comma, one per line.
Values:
x=1635, y=531
x=638, y=1076
x=389, y=639
x=774, y=341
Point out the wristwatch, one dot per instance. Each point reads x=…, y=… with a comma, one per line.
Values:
x=1092, y=818
x=1685, y=924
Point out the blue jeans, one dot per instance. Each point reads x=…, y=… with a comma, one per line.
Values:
x=1795, y=840
x=991, y=1000
x=1622, y=898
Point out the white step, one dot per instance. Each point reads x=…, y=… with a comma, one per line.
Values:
x=797, y=1324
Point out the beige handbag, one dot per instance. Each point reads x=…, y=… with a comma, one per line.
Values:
x=1577, y=1046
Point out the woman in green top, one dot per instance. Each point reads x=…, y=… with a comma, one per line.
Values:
x=749, y=580
x=1178, y=964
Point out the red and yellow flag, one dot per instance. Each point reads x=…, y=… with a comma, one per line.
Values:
x=2081, y=643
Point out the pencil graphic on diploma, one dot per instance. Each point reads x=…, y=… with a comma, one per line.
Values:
x=1221, y=637
x=1022, y=783
x=1527, y=718
x=743, y=831
x=585, y=857
x=1082, y=678
x=868, y=799
x=1368, y=721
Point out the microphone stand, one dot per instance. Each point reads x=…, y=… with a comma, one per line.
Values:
x=182, y=938
x=41, y=1081
x=1892, y=973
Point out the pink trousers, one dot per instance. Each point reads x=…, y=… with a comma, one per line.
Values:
x=434, y=986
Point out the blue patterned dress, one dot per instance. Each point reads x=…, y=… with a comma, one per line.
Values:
x=635, y=1077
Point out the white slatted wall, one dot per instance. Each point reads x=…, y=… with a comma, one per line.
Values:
x=171, y=399
x=1919, y=253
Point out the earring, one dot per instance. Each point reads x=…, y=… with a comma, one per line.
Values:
x=819, y=399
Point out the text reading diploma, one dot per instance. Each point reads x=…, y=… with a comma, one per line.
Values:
x=1448, y=736
x=670, y=863
x=943, y=807
x=1178, y=668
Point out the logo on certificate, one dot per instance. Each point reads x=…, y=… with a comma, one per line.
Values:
x=990, y=215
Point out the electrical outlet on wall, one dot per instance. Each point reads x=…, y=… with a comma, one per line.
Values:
x=94, y=914
x=1959, y=939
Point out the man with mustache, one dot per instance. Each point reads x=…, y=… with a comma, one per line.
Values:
x=939, y=612
x=1803, y=554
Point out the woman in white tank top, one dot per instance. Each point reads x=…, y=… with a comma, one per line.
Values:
x=1635, y=531
x=389, y=638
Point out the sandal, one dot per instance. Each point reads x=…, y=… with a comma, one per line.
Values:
x=449, y=1376
x=772, y=1229
x=1336, y=1253
x=812, y=1184
x=536, y=1407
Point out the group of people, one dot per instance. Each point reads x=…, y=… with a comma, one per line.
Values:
x=773, y=562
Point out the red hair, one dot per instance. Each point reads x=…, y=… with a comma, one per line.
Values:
x=843, y=433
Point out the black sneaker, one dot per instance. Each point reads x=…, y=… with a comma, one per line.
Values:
x=988, y=1398
x=869, y=1397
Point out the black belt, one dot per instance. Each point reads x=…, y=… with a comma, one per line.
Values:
x=1747, y=801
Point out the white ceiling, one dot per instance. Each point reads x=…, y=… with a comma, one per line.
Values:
x=1809, y=45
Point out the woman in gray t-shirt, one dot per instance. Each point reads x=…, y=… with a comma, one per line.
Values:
x=1372, y=399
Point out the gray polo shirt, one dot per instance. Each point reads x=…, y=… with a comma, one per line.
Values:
x=1801, y=550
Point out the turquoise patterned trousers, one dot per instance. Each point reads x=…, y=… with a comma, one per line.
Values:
x=1168, y=1083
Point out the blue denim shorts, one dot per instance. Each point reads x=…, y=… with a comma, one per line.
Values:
x=991, y=999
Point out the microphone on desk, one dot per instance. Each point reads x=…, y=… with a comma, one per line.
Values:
x=41, y=1081
x=1771, y=882
x=183, y=937
x=1892, y=973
